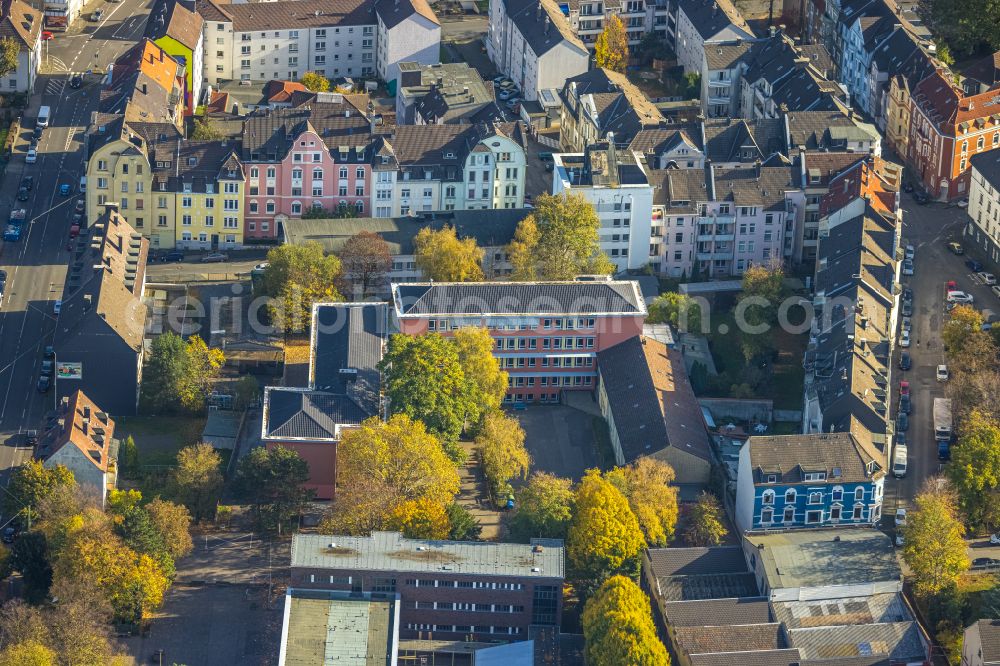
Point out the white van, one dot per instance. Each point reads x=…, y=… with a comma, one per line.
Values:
x=899, y=461
x=83, y=183
x=44, y=114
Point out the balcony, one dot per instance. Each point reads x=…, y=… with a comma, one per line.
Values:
x=720, y=83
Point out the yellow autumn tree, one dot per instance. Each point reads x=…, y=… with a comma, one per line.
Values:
x=604, y=536
x=485, y=382
x=521, y=250
x=646, y=485
x=383, y=466
x=618, y=627
x=502, y=453
x=611, y=48
x=935, y=549
x=444, y=257
x=28, y=653
x=420, y=519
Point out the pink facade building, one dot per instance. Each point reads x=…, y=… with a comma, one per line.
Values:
x=317, y=155
x=546, y=335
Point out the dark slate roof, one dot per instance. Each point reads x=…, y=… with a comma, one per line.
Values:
x=655, y=141
x=491, y=227
x=989, y=637
x=710, y=18
x=717, y=612
x=518, y=298
x=298, y=414
x=734, y=638
x=347, y=343
x=811, y=129
x=763, y=186
x=170, y=18
x=894, y=51
x=819, y=58
x=443, y=149
x=620, y=105
x=787, y=657
x=841, y=457
x=314, y=13
x=988, y=165
x=985, y=71
x=697, y=561
x=651, y=400
x=268, y=135
x=22, y=23
x=198, y=164
x=729, y=139
x=726, y=56
x=542, y=24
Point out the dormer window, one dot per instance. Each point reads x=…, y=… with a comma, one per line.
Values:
x=209, y=188
x=772, y=478
x=187, y=187
x=449, y=156
x=815, y=476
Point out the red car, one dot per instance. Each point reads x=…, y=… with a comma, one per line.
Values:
x=904, y=388
x=46, y=35
x=951, y=286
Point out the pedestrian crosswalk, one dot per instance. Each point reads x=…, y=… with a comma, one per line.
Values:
x=57, y=64
x=55, y=86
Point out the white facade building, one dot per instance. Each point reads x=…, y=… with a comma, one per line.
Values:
x=533, y=44
x=983, y=230
x=694, y=24
x=23, y=24
x=360, y=38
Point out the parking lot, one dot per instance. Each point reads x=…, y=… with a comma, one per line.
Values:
x=562, y=440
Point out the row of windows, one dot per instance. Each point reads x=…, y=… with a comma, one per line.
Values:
x=522, y=381
x=567, y=324
x=816, y=497
x=203, y=238
x=294, y=34
x=546, y=362
x=296, y=207
x=565, y=342
x=460, y=628
x=530, y=397
x=464, y=606
x=815, y=516
x=209, y=221
x=478, y=585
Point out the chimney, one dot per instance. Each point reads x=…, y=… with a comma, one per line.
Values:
x=771, y=31
x=143, y=88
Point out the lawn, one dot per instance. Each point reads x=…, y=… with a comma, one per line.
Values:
x=784, y=379
x=159, y=438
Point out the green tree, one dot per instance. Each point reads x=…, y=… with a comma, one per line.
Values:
x=206, y=130
x=974, y=470
x=464, y=526
x=646, y=485
x=30, y=556
x=501, y=451
x=383, y=466
x=544, y=508
x=30, y=484
x=271, y=481
x=443, y=257
x=762, y=290
x=618, y=627
x=179, y=374
x=315, y=82
x=705, y=522
x=246, y=391
x=604, y=537
x=423, y=378
x=296, y=277
x=559, y=240
x=128, y=458
x=678, y=310
x=196, y=480
x=9, y=52
x=611, y=48
x=366, y=261
x=934, y=548
x=693, y=82
x=485, y=382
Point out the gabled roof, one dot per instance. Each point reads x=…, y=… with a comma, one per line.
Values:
x=711, y=18
x=894, y=51
x=293, y=414
x=422, y=299
x=900, y=641
x=726, y=56
x=988, y=165
x=789, y=458
x=22, y=23
x=986, y=71
x=347, y=345
x=727, y=139
x=80, y=424
x=763, y=186
x=651, y=400
x=946, y=106
x=717, y=612
x=276, y=92
x=732, y=638
x=617, y=103
x=989, y=637
x=394, y=12
x=662, y=139
x=810, y=129
x=542, y=25
x=170, y=18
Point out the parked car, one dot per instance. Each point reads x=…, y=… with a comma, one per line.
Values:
x=22, y=194
x=46, y=35
x=995, y=539
x=28, y=182
x=171, y=257
x=902, y=422
x=43, y=384
x=504, y=95
x=985, y=562
x=57, y=307
x=65, y=189
x=904, y=388
x=900, y=517
x=973, y=265
x=50, y=352
x=996, y=291
x=910, y=252
x=47, y=368
x=907, y=267
x=214, y=258
x=8, y=534
x=956, y=248
x=904, y=339
x=987, y=278
x=37, y=132
x=907, y=308
x=960, y=297
x=31, y=156
x=907, y=294
x=907, y=324
x=905, y=362
x=942, y=373
x=950, y=286
x=920, y=198
x=97, y=15
x=905, y=406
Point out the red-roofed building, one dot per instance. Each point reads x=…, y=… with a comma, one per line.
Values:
x=280, y=92
x=947, y=127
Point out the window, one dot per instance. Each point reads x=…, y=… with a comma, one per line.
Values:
x=859, y=494
x=815, y=498
x=858, y=512
x=767, y=515
x=789, y=515
x=835, y=513
x=102, y=165
x=767, y=497
x=186, y=220
x=813, y=517
x=185, y=202
x=838, y=494
x=790, y=496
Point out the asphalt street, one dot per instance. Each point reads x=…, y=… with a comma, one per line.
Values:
x=929, y=229
x=36, y=265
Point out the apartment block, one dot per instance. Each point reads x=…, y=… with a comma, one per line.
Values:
x=449, y=589
x=983, y=230
x=357, y=38
x=22, y=23
x=547, y=335
x=696, y=25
